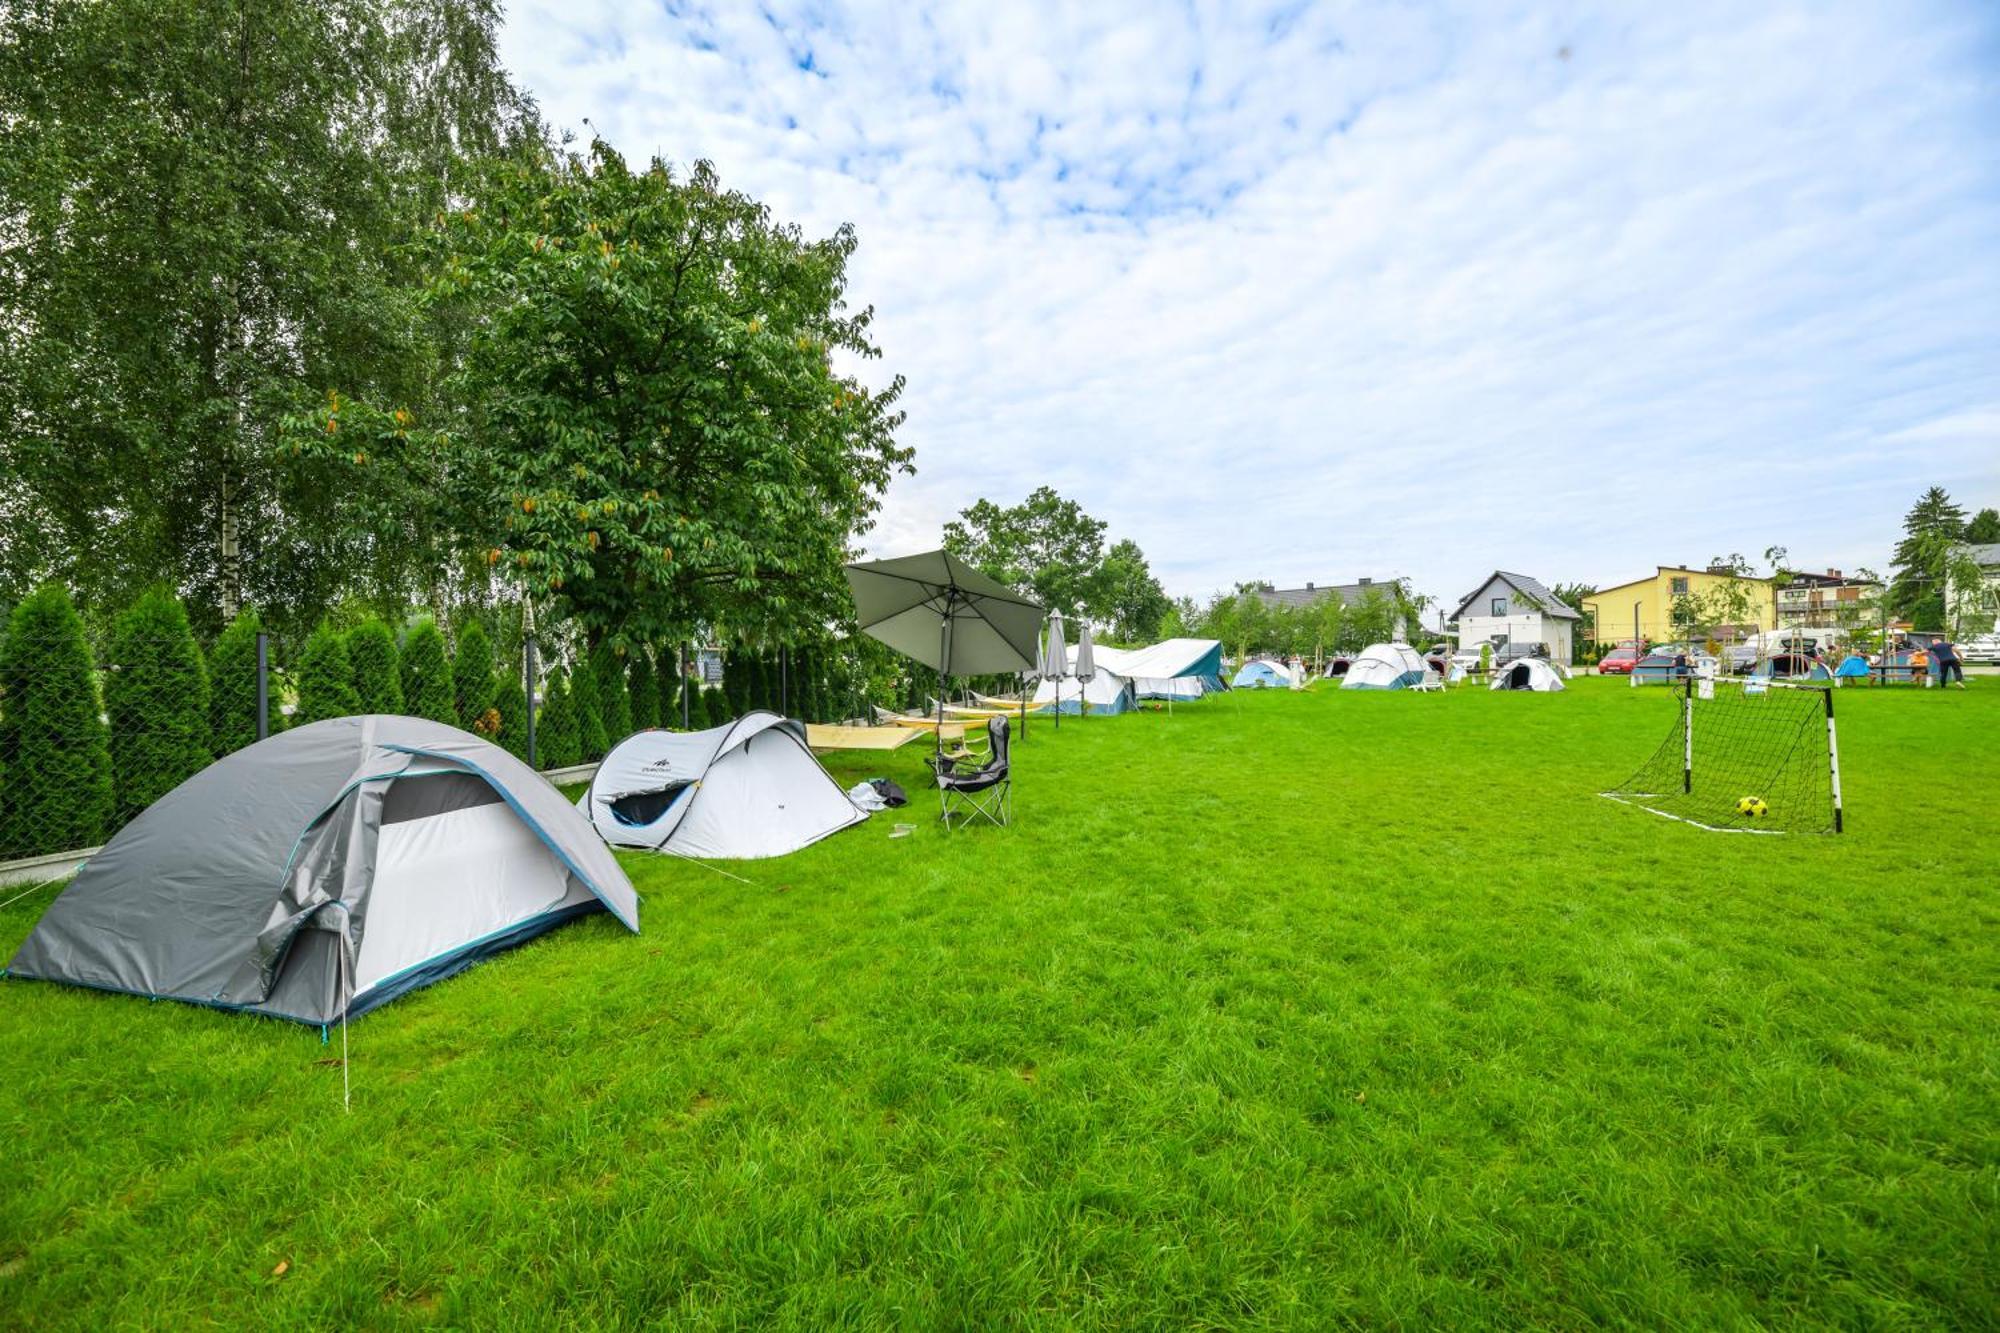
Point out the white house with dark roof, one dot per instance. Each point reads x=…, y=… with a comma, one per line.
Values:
x=1513, y=608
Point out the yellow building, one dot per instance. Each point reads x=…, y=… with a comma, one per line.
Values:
x=1645, y=606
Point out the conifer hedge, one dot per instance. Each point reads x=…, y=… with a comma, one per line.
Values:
x=232, y=686
x=642, y=687
x=55, y=760
x=556, y=739
x=511, y=703
x=427, y=685
x=325, y=679
x=156, y=695
x=474, y=684
x=614, y=704
x=377, y=667
x=591, y=739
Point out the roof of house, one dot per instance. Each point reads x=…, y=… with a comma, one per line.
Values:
x=1674, y=569
x=1315, y=592
x=1986, y=553
x=1545, y=601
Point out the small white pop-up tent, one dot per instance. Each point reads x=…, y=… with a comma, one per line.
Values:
x=1389, y=666
x=748, y=789
x=1530, y=673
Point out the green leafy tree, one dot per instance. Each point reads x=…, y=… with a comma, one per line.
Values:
x=650, y=431
x=253, y=168
x=642, y=687
x=474, y=683
x=557, y=741
x=54, y=752
x=1917, y=572
x=232, y=685
x=1984, y=527
x=156, y=695
x=510, y=703
x=614, y=703
x=592, y=738
x=378, y=675
x=325, y=679
x=1046, y=546
x=1134, y=605
x=428, y=690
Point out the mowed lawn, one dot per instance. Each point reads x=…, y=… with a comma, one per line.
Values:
x=1285, y=1010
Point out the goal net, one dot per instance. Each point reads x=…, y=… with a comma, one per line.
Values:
x=1744, y=757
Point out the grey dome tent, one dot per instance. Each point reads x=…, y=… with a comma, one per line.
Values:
x=325, y=871
x=747, y=789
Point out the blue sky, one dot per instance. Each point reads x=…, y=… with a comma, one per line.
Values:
x=1294, y=291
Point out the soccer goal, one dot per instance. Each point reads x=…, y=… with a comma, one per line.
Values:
x=1745, y=757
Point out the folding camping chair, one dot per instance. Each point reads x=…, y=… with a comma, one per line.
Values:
x=980, y=792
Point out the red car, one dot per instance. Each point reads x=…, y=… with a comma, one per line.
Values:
x=1619, y=662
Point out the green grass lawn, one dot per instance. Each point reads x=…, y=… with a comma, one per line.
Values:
x=1292, y=1010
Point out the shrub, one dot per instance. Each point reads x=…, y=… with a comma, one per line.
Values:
x=614, y=704
x=591, y=739
x=232, y=686
x=736, y=682
x=716, y=708
x=510, y=702
x=156, y=695
x=556, y=740
x=325, y=679
x=427, y=685
x=378, y=678
x=474, y=686
x=643, y=688
x=53, y=750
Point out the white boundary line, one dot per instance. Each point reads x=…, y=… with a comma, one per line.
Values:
x=1696, y=823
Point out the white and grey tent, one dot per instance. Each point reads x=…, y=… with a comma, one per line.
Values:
x=1263, y=673
x=1179, y=669
x=1529, y=673
x=1389, y=666
x=748, y=789
x=325, y=871
x=1104, y=693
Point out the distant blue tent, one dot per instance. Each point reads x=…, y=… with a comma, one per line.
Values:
x=1262, y=675
x=1854, y=665
x=1792, y=666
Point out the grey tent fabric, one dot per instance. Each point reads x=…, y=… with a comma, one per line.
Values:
x=939, y=610
x=326, y=870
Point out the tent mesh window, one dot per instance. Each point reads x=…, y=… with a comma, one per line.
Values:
x=1746, y=760
x=642, y=808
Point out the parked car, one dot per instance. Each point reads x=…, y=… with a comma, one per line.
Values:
x=1983, y=650
x=1740, y=658
x=1509, y=653
x=1619, y=662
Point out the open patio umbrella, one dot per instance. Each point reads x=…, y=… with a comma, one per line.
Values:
x=1055, y=660
x=945, y=614
x=1086, y=668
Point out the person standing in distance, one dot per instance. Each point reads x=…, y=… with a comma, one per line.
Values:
x=1945, y=663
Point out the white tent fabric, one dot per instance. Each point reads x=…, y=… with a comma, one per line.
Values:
x=749, y=789
x=1389, y=666
x=1530, y=673
x=1106, y=692
x=1171, y=669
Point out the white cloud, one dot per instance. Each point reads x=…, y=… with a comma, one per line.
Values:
x=1312, y=293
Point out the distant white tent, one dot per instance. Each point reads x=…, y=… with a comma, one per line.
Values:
x=1389, y=666
x=1530, y=673
x=748, y=789
x=1263, y=674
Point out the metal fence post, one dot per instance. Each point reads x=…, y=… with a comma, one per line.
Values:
x=263, y=685
x=681, y=653
x=528, y=669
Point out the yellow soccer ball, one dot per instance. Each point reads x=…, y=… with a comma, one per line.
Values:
x=1752, y=807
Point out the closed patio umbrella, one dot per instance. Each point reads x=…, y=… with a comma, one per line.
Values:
x=1086, y=666
x=1055, y=660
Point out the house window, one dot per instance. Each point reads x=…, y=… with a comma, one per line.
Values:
x=1499, y=606
x=1679, y=587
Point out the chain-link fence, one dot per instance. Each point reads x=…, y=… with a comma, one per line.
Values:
x=96, y=727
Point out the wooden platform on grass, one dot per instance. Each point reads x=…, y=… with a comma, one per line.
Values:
x=870, y=738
